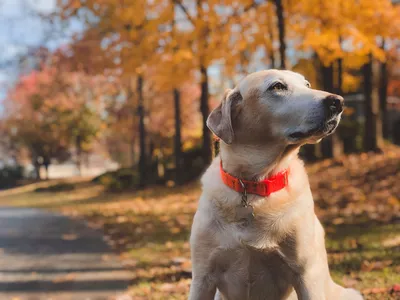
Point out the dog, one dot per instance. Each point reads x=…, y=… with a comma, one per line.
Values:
x=255, y=234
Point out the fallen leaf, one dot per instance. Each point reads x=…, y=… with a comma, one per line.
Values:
x=65, y=278
x=69, y=237
x=392, y=242
x=375, y=265
x=376, y=290
x=395, y=288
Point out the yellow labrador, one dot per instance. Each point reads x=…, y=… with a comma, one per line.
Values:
x=250, y=246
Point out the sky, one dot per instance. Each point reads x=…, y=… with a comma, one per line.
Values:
x=20, y=29
x=18, y=26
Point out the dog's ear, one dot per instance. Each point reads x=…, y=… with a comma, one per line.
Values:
x=220, y=119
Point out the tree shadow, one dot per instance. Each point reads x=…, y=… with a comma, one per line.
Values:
x=35, y=286
x=59, y=270
x=141, y=229
x=108, y=197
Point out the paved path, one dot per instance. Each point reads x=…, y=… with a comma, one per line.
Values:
x=49, y=256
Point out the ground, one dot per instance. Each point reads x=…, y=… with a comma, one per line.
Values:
x=357, y=200
x=49, y=256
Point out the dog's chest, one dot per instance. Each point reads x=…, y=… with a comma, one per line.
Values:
x=243, y=273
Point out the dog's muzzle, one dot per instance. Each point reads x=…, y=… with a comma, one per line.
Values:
x=332, y=107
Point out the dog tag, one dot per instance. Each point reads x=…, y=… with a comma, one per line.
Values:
x=244, y=212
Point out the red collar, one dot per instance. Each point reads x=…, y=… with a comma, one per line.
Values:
x=262, y=188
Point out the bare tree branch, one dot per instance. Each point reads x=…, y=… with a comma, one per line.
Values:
x=185, y=10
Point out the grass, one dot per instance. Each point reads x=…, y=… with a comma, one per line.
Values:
x=150, y=228
x=366, y=256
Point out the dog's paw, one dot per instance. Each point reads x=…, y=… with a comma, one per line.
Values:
x=352, y=294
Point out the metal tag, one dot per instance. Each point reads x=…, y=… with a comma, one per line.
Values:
x=244, y=212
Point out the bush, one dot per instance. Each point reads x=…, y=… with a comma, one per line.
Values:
x=10, y=175
x=59, y=187
x=193, y=164
x=351, y=133
x=122, y=179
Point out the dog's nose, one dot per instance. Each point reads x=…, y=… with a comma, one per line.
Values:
x=334, y=104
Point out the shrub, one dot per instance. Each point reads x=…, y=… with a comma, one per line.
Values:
x=10, y=175
x=351, y=132
x=59, y=187
x=122, y=179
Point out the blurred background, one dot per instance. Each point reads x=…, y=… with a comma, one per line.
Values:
x=103, y=108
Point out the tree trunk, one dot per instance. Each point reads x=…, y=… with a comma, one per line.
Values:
x=130, y=98
x=281, y=30
x=46, y=163
x=205, y=110
x=327, y=77
x=339, y=76
x=78, y=145
x=371, y=110
x=36, y=165
x=327, y=143
x=132, y=151
x=46, y=167
x=337, y=143
x=37, y=171
x=383, y=83
x=142, y=132
x=271, y=41
x=178, y=139
x=272, y=59
x=152, y=149
x=178, y=121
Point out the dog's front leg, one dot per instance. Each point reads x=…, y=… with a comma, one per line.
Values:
x=325, y=291
x=312, y=278
x=202, y=288
x=305, y=292
x=315, y=283
x=304, y=252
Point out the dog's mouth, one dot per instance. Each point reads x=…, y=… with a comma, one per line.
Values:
x=320, y=131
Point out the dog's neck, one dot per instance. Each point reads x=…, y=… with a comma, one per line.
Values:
x=255, y=162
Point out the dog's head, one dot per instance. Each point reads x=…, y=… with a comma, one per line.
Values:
x=275, y=106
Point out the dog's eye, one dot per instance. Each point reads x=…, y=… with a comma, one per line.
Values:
x=308, y=84
x=278, y=86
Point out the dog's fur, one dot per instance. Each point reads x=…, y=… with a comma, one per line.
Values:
x=280, y=253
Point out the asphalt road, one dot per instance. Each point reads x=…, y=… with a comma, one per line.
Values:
x=49, y=256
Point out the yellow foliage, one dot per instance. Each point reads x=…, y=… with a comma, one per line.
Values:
x=350, y=82
x=336, y=28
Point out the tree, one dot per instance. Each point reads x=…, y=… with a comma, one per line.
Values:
x=129, y=29
x=380, y=26
x=121, y=111
x=178, y=137
x=50, y=111
x=327, y=26
x=34, y=122
x=383, y=87
x=371, y=110
x=142, y=131
x=161, y=46
x=281, y=30
x=324, y=38
x=85, y=121
x=201, y=42
x=211, y=40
